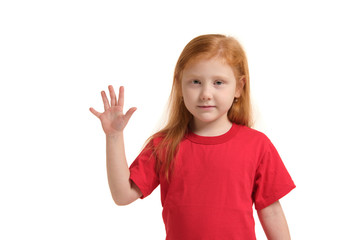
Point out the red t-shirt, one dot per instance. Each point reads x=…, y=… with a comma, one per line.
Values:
x=215, y=184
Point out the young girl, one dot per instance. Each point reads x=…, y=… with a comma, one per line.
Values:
x=211, y=166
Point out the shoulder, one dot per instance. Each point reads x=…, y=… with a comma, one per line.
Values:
x=251, y=134
x=155, y=139
x=253, y=140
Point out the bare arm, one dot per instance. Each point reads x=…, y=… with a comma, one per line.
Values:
x=113, y=122
x=123, y=190
x=274, y=223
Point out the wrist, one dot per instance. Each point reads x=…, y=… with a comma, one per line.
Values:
x=114, y=135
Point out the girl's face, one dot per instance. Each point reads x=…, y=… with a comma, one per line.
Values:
x=209, y=88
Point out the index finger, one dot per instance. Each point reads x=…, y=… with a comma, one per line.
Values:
x=121, y=96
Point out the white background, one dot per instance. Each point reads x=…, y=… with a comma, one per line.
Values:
x=56, y=57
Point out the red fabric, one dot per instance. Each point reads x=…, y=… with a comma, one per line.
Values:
x=216, y=182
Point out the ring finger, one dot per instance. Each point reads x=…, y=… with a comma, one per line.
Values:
x=105, y=100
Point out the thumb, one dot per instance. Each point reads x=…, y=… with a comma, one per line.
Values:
x=130, y=112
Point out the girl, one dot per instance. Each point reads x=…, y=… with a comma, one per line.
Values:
x=211, y=166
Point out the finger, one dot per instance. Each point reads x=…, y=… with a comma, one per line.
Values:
x=121, y=96
x=105, y=100
x=96, y=113
x=112, y=96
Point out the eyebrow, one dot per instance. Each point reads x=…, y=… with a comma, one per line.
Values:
x=198, y=76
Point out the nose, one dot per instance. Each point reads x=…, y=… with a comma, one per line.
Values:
x=205, y=94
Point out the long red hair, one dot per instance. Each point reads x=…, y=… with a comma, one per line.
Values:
x=207, y=46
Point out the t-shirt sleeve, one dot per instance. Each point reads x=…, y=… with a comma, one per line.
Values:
x=142, y=171
x=272, y=180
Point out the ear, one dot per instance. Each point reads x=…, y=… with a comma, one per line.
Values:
x=240, y=87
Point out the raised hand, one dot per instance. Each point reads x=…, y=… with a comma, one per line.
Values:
x=113, y=120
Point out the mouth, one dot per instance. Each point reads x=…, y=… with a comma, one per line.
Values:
x=206, y=107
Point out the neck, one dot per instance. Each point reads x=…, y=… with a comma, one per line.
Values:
x=210, y=129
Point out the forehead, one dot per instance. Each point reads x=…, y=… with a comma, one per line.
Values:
x=205, y=57
x=208, y=66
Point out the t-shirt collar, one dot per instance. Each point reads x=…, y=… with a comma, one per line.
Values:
x=214, y=139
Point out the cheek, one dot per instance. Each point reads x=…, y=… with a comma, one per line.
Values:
x=227, y=100
x=187, y=101
x=228, y=103
x=188, y=95
x=185, y=95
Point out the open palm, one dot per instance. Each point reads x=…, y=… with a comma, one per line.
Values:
x=113, y=120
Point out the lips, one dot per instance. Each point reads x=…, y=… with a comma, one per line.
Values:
x=206, y=107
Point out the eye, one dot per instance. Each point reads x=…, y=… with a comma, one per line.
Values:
x=218, y=82
x=195, y=82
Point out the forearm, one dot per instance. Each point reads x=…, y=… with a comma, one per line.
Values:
x=274, y=223
x=117, y=168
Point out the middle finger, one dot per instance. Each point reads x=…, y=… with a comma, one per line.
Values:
x=112, y=96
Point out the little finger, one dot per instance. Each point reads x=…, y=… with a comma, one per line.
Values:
x=96, y=113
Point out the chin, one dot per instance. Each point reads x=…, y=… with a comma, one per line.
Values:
x=206, y=120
